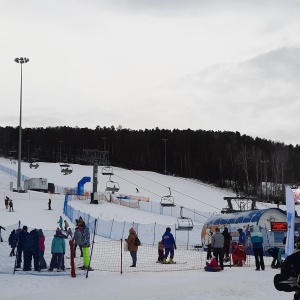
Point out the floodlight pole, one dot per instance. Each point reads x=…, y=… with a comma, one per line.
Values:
x=21, y=61
x=165, y=141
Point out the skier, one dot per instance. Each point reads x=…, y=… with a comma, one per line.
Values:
x=49, y=204
x=60, y=221
x=170, y=245
x=6, y=200
x=11, y=206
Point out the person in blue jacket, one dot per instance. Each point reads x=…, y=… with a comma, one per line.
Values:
x=169, y=244
x=242, y=236
x=257, y=244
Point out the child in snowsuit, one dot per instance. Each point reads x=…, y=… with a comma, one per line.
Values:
x=212, y=265
x=239, y=256
x=160, y=249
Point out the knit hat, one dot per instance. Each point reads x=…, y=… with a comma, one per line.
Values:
x=25, y=228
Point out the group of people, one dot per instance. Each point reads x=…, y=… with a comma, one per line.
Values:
x=166, y=247
x=218, y=247
x=8, y=204
x=30, y=246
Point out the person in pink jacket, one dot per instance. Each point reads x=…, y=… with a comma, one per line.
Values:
x=43, y=264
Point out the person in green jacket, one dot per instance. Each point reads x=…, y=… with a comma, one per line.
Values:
x=58, y=249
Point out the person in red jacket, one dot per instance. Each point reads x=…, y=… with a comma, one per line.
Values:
x=239, y=256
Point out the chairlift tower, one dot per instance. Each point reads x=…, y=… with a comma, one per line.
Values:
x=96, y=158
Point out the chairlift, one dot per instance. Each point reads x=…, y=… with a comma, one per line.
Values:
x=66, y=169
x=112, y=186
x=34, y=165
x=107, y=171
x=184, y=223
x=167, y=201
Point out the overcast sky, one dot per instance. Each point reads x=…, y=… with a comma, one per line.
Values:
x=212, y=65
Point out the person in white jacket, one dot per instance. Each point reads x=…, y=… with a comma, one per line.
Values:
x=207, y=243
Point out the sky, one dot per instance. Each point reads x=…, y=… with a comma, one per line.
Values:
x=210, y=65
x=232, y=283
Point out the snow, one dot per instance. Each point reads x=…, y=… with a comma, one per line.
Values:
x=31, y=209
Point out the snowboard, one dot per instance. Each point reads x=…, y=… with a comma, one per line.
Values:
x=286, y=283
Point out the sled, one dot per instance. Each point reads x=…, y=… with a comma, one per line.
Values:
x=286, y=283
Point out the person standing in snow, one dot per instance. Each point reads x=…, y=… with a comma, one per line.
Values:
x=11, y=206
x=227, y=242
x=60, y=222
x=257, y=244
x=58, y=248
x=43, y=264
x=132, y=247
x=207, y=243
x=85, y=245
x=77, y=241
x=12, y=242
x=49, y=204
x=20, y=241
x=66, y=225
x=217, y=243
x=160, y=250
x=6, y=201
x=169, y=244
x=242, y=237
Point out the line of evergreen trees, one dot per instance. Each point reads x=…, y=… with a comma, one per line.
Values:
x=225, y=159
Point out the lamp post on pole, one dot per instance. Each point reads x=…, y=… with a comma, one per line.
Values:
x=165, y=141
x=21, y=61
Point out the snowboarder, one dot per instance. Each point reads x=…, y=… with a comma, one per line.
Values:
x=170, y=245
x=49, y=204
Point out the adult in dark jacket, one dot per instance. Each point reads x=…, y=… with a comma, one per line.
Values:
x=77, y=241
x=169, y=244
x=43, y=264
x=31, y=250
x=12, y=242
x=20, y=242
x=217, y=243
x=132, y=248
x=227, y=242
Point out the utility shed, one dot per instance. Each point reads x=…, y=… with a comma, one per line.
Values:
x=36, y=184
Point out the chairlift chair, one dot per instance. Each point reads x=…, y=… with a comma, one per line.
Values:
x=112, y=186
x=107, y=171
x=167, y=201
x=66, y=169
x=34, y=165
x=184, y=223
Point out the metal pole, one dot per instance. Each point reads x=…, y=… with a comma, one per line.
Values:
x=21, y=61
x=20, y=137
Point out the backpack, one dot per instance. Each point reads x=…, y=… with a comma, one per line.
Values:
x=137, y=241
